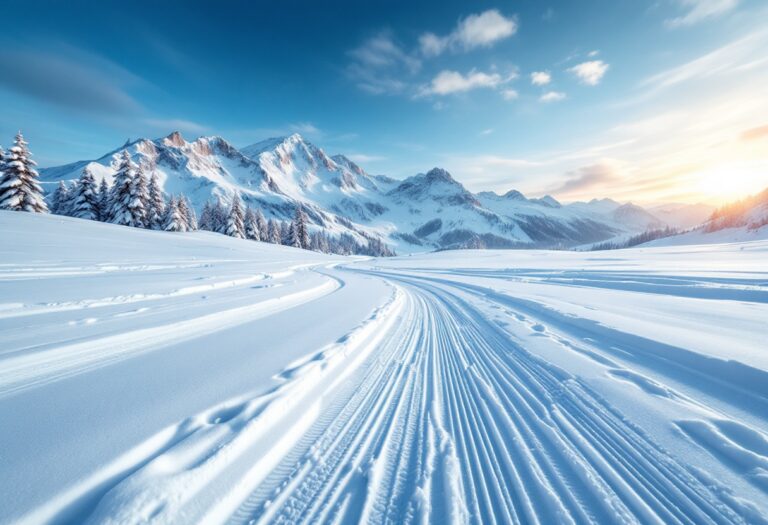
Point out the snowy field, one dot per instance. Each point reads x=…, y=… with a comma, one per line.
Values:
x=194, y=378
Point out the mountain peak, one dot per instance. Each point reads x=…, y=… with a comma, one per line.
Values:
x=439, y=175
x=174, y=139
x=514, y=195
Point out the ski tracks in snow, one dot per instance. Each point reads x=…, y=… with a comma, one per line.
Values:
x=429, y=412
x=455, y=423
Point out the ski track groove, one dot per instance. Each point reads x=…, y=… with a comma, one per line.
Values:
x=452, y=421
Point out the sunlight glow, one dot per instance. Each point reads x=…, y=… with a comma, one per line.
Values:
x=730, y=181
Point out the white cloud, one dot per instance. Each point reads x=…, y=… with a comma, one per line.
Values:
x=477, y=30
x=591, y=72
x=362, y=157
x=305, y=128
x=447, y=82
x=509, y=94
x=379, y=65
x=540, y=78
x=723, y=61
x=487, y=131
x=485, y=29
x=698, y=10
x=593, y=53
x=552, y=96
x=432, y=45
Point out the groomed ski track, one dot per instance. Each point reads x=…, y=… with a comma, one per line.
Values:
x=428, y=413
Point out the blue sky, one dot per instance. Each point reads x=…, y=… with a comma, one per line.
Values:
x=647, y=101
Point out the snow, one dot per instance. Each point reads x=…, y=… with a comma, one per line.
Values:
x=193, y=377
x=279, y=174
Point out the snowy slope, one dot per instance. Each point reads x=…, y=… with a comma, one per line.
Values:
x=195, y=378
x=420, y=213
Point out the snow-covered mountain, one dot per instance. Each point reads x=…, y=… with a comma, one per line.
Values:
x=423, y=212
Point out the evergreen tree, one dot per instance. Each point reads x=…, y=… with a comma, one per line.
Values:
x=85, y=202
x=299, y=232
x=104, y=192
x=219, y=217
x=206, y=216
x=285, y=233
x=273, y=233
x=156, y=208
x=251, y=225
x=121, y=196
x=235, y=219
x=184, y=211
x=189, y=214
x=139, y=199
x=293, y=238
x=19, y=187
x=174, y=222
x=261, y=224
x=60, y=199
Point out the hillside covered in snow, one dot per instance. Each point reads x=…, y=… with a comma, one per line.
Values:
x=424, y=212
x=190, y=377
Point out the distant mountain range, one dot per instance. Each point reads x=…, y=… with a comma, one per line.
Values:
x=423, y=212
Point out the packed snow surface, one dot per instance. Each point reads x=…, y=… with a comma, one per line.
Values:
x=194, y=378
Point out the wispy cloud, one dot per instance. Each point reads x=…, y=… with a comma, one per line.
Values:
x=476, y=30
x=362, y=157
x=541, y=78
x=743, y=53
x=591, y=72
x=379, y=64
x=758, y=132
x=699, y=10
x=71, y=79
x=448, y=82
x=589, y=178
x=509, y=94
x=552, y=96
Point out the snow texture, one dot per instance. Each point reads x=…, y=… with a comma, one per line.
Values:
x=197, y=378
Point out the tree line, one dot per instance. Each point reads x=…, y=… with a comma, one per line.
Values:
x=138, y=201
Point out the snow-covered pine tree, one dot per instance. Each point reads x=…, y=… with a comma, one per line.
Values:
x=293, y=237
x=206, y=217
x=261, y=224
x=140, y=199
x=60, y=199
x=190, y=217
x=85, y=203
x=121, y=195
x=273, y=233
x=285, y=233
x=251, y=225
x=19, y=187
x=300, y=233
x=174, y=222
x=235, y=226
x=104, y=191
x=181, y=202
x=219, y=215
x=156, y=208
